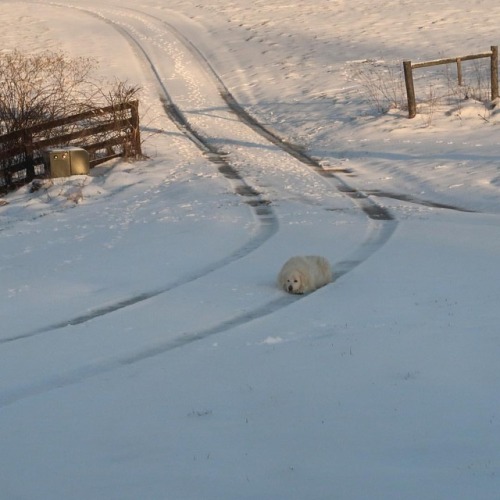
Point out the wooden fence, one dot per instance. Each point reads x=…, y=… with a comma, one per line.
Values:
x=105, y=133
x=408, y=67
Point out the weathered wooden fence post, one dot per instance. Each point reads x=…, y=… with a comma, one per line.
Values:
x=410, y=89
x=28, y=155
x=494, y=72
x=136, y=133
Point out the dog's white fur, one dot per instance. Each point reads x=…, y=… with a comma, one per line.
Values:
x=304, y=274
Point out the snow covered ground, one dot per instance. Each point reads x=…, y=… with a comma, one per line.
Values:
x=145, y=350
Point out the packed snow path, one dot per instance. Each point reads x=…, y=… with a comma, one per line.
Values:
x=187, y=85
x=383, y=384
x=196, y=99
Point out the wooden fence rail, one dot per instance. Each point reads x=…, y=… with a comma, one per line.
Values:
x=408, y=67
x=106, y=133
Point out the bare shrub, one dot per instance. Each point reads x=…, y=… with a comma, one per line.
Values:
x=36, y=88
x=428, y=108
x=383, y=84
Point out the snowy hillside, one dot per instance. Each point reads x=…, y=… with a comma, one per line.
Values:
x=145, y=349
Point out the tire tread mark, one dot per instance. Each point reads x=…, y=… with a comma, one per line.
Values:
x=268, y=222
x=375, y=240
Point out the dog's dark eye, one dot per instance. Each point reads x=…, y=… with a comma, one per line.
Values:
x=295, y=281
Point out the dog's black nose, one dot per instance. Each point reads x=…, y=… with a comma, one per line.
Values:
x=290, y=288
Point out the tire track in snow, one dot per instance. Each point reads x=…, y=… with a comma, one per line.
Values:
x=82, y=373
x=382, y=224
x=381, y=227
x=267, y=221
x=378, y=233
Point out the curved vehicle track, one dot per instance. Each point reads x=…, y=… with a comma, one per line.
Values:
x=380, y=231
x=385, y=223
x=238, y=170
x=266, y=219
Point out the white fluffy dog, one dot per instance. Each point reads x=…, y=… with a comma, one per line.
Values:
x=304, y=274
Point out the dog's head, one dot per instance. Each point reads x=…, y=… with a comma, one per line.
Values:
x=294, y=282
